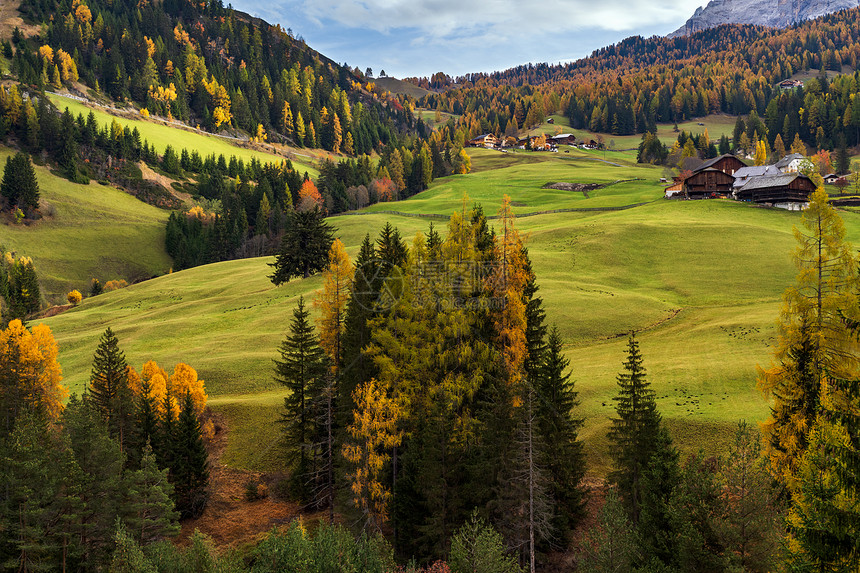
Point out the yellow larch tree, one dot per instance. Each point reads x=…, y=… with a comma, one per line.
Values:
x=332, y=299
x=508, y=284
x=814, y=345
x=373, y=435
x=30, y=373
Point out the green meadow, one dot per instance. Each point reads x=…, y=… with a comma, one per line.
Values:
x=161, y=135
x=95, y=231
x=700, y=282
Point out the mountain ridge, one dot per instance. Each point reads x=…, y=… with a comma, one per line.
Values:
x=772, y=13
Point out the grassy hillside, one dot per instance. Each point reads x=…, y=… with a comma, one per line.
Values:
x=700, y=281
x=95, y=231
x=161, y=135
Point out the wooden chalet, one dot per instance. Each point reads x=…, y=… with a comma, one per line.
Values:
x=563, y=139
x=831, y=178
x=486, y=140
x=790, y=84
x=708, y=183
x=728, y=164
x=789, y=190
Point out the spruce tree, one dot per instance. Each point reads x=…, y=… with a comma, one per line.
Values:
x=304, y=247
x=19, y=185
x=634, y=432
x=190, y=468
x=146, y=424
x=564, y=459
x=101, y=489
x=301, y=370
x=109, y=388
x=390, y=248
x=362, y=305
x=149, y=511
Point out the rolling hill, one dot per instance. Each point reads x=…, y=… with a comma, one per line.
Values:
x=700, y=281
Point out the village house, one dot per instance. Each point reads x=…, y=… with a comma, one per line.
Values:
x=487, y=140
x=831, y=178
x=728, y=176
x=790, y=163
x=787, y=191
x=564, y=139
x=790, y=84
x=744, y=174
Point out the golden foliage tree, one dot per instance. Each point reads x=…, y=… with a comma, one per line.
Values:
x=508, y=283
x=332, y=300
x=74, y=297
x=159, y=386
x=30, y=375
x=309, y=197
x=374, y=433
x=813, y=343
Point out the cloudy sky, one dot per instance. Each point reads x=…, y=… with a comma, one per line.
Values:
x=421, y=37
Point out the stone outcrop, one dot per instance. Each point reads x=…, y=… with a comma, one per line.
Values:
x=773, y=13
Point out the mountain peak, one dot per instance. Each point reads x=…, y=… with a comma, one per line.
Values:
x=773, y=13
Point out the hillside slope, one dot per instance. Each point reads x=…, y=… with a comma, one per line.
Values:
x=773, y=13
x=700, y=281
x=93, y=231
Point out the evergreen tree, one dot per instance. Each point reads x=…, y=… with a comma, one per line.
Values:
x=304, y=247
x=19, y=185
x=109, y=388
x=101, y=489
x=149, y=511
x=634, y=432
x=128, y=556
x=563, y=456
x=190, y=468
x=360, y=309
x=611, y=545
x=658, y=482
x=390, y=248
x=750, y=526
x=301, y=370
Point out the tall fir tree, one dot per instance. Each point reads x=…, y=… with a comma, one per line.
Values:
x=564, y=458
x=149, y=512
x=634, y=432
x=190, y=469
x=301, y=369
x=109, y=388
x=304, y=247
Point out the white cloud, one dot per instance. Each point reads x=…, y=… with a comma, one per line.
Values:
x=444, y=19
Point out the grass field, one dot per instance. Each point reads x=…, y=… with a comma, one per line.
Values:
x=161, y=136
x=717, y=126
x=96, y=231
x=700, y=281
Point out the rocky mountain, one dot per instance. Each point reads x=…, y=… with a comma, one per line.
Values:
x=774, y=13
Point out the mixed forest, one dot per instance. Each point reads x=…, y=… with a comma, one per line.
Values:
x=431, y=421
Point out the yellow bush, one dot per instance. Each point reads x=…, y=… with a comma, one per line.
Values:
x=74, y=297
x=115, y=285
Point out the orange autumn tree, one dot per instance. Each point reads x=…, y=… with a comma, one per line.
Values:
x=309, y=197
x=154, y=383
x=374, y=433
x=30, y=373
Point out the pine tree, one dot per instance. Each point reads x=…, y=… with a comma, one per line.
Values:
x=563, y=456
x=189, y=471
x=360, y=309
x=611, y=546
x=101, y=489
x=19, y=185
x=660, y=478
x=635, y=430
x=750, y=526
x=304, y=247
x=301, y=370
x=149, y=511
x=109, y=388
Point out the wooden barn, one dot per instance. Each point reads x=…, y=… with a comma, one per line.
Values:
x=789, y=190
x=708, y=183
x=728, y=164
